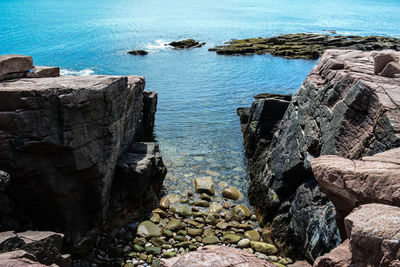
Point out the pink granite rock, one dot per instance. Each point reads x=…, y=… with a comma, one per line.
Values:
x=374, y=233
x=300, y=264
x=216, y=256
x=391, y=70
x=381, y=60
x=338, y=257
x=349, y=183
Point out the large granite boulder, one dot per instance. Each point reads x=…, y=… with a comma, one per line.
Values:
x=14, y=66
x=338, y=257
x=60, y=141
x=374, y=233
x=218, y=256
x=342, y=108
x=350, y=183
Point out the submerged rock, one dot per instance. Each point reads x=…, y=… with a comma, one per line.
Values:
x=305, y=45
x=231, y=193
x=204, y=185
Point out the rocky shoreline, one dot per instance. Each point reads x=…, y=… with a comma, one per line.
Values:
x=346, y=107
x=305, y=45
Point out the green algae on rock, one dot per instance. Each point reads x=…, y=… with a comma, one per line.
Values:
x=305, y=45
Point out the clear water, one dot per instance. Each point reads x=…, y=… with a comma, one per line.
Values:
x=199, y=91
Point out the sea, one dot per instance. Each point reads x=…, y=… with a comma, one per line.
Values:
x=199, y=91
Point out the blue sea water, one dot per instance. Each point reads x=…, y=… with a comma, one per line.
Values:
x=199, y=91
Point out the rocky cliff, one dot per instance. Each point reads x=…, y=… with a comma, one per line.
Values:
x=347, y=106
x=62, y=139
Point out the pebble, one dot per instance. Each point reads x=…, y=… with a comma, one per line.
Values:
x=244, y=243
x=164, y=203
x=231, y=193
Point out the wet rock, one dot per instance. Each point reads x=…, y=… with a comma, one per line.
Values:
x=231, y=193
x=239, y=213
x=205, y=197
x=169, y=254
x=164, y=203
x=194, y=231
x=212, y=219
x=138, y=248
x=244, y=243
x=182, y=210
x=222, y=225
x=231, y=238
x=173, y=224
x=153, y=250
x=148, y=229
x=210, y=240
x=204, y=185
x=161, y=212
x=305, y=45
x=217, y=256
x=187, y=43
x=138, y=52
x=252, y=235
x=215, y=207
x=201, y=203
x=155, y=218
x=263, y=247
x=173, y=198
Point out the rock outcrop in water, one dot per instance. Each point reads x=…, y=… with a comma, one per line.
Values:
x=185, y=44
x=305, y=45
x=68, y=143
x=342, y=108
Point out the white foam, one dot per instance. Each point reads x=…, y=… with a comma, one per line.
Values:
x=157, y=45
x=84, y=72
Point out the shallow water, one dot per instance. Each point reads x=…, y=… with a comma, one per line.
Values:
x=199, y=91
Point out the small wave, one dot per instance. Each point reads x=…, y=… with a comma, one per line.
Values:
x=85, y=72
x=157, y=45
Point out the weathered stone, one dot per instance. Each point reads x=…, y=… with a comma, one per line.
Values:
x=201, y=203
x=204, y=185
x=138, y=248
x=373, y=230
x=231, y=193
x=263, y=247
x=252, y=235
x=349, y=183
x=212, y=219
x=391, y=70
x=153, y=250
x=173, y=224
x=169, y=254
x=300, y=264
x=155, y=218
x=244, y=243
x=19, y=258
x=338, y=257
x=182, y=210
x=210, y=240
x=222, y=225
x=148, y=229
x=194, y=231
x=231, y=238
x=164, y=203
x=239, y=212
x=43, y=72
x=215, y=207
x=381, y=60
x=14, y=64
x=216, y=256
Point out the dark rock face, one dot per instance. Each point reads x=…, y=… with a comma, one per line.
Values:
x=138, y=52
x=138, y=179
x=60, y=141
x=185, y=44
x=305, y=45
x=342, y=108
